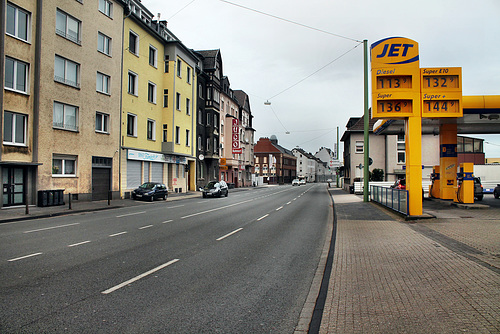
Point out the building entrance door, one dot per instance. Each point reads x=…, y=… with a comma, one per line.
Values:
x=13, y=186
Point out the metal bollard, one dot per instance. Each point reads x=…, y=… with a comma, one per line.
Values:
x=110, y=194
x=69, y=201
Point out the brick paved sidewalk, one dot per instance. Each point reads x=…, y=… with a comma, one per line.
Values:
x=390, y=278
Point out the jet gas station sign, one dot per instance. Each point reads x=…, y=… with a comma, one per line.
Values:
x=395, y=78
x=401, y=89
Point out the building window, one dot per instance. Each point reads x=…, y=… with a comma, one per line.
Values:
x=14, y=129
x=63, y=165
x=104, y=44
x=17, y=23
x=68, y=27
x=188, y=107
x=208, y=118
x=215, y=145
x=188, y=142
x=216, y=118
x=101, y=122
x=106, y=7
x=16, y=75
x=199, y=143
x=177, y=135
x=102, y=84
x=165, y=132
x=151, y=129
x=200, y=91
x=132, y=125
x=401, y=152
x=133, y=43
x=65, y=117
x=200, y=116
x=165, y=98
x=132, y=83
x=188, y=75
x=66, y=72
x=152, y=56
x=178, y=101
x=359, y=146
x=151, y=92
x=179, y=68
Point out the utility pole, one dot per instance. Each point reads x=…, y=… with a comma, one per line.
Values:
x=366, y=146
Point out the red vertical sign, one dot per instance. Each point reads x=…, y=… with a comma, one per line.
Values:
x=236, y=137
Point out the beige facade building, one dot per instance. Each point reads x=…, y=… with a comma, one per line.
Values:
x=61, y=105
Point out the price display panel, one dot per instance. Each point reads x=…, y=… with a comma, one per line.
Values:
x=441, y=106
x=441, y=82
x=395, y=106
x=389, y=82
x=441, y=91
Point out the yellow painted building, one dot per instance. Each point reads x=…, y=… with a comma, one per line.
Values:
x=158, y=106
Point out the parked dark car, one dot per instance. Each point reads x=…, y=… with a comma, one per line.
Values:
x=496, y=192
x=150, y=191
x=478, y=189
x=399, y=184
x=215, y=189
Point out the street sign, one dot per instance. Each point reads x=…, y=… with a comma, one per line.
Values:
x=223, y=167
x=223, y=161
x=395, y=78
x=441, y=90
x=236, y=149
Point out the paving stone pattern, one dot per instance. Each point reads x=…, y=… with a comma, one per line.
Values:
x=389, y=278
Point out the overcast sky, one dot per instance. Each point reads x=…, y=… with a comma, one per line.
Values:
x=271, y=59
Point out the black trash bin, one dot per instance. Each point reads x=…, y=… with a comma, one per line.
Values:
x=50, y=197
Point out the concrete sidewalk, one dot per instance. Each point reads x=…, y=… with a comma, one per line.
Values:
x=35, y=212
x=432, y=276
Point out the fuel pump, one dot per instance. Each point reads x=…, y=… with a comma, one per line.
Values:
x=435, y=186
x=465, y=184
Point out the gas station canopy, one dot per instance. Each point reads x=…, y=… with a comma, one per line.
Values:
x=481, y=116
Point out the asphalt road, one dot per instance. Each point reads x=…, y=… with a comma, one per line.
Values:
x=241, y=264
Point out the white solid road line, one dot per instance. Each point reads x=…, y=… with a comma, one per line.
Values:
x=79, y=243
x=50, y=228
x=229, y=234
x=132, y=280
x=119, y=233
x=131, y=214
x=24, y=257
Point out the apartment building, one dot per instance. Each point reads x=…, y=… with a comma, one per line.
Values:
x=208, y=116
x=229, y=116
x=247, y=134
x=274, y=164
x=61, y=98
x=306, y=164
x=159, y=105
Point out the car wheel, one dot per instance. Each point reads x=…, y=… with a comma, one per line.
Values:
x=480, y=198
x=227, y=193
x=204, y=195
x=497, y=195
x=152, y=198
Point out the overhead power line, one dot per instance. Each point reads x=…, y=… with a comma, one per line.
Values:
x=290, y=21
x=310, y=75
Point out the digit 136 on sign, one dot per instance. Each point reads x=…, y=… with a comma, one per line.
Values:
x=395, y=106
